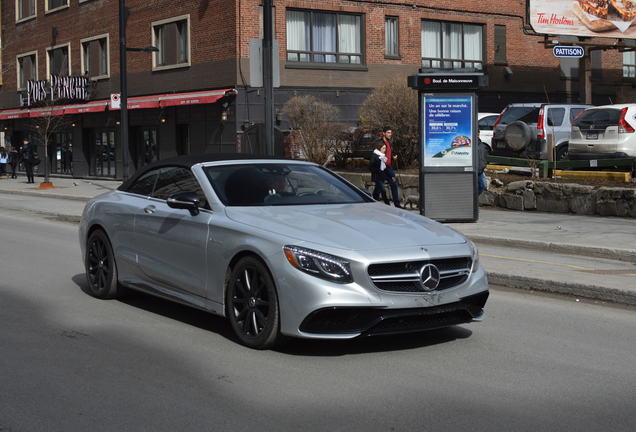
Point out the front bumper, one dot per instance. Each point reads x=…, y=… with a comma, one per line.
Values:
x=317, y=309
x=374, y=321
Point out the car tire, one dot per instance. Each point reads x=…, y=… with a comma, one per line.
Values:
x=252, y=304
x=517, y=135
x=101, y=268
x=562, y=152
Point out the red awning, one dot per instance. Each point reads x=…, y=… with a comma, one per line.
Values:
x=141, y=102
x=47, y=111
x=90, y=107
x=14, y=114
x=137, y=102
x=204, y=97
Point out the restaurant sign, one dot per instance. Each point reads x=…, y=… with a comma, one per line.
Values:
x=58, y=88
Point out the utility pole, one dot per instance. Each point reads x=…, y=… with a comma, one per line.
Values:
x=268, y=79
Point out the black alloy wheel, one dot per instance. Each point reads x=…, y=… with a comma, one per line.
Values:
x=252, y=304
x=101, y=270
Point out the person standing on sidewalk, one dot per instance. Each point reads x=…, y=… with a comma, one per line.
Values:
x=14, y=159
x=482, y=162
x=377, y=166
x=28, y=159
x=4, y=159
x=391, y=156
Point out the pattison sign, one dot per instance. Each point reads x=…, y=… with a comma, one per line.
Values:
x=58, y=88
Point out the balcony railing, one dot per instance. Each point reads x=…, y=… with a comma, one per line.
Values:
x=323, y=57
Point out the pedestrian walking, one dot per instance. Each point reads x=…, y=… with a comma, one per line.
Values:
x=4, y=159
x=377, y=166
x=29, y=159
x=482, y=162
x=14, y=160
x=391, y=162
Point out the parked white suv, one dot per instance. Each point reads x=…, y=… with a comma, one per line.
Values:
x=604, y=132
x=523, y=129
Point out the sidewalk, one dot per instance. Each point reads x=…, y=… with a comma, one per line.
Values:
x=585, y=256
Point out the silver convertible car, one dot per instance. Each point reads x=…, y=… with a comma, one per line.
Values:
x=280, y=248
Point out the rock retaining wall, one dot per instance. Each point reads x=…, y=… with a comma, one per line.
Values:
x=528, y=195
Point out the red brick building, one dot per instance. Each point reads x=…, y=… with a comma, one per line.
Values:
x=193, y=95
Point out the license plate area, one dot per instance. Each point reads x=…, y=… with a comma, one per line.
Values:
x=591, y=135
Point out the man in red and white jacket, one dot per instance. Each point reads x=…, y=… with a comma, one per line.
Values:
x=391, y=156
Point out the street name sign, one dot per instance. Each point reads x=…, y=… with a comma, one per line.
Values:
x=573, y=51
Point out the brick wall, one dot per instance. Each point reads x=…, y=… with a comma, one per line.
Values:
x=221, y=29
x=213, y=35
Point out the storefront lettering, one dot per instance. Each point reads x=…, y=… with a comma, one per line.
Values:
x=58, y=88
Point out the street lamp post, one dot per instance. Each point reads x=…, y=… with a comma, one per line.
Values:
x=123, y=84
x=123, y=81
x=268, y=76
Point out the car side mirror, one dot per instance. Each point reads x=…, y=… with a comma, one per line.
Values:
x=185, y=200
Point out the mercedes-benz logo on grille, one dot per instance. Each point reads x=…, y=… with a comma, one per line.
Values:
x=429, y=277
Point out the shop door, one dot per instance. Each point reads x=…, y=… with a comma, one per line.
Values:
x=145, y=149
x=61, y=153
x=103, y=160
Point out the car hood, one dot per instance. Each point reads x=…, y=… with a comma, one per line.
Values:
x=348, y=226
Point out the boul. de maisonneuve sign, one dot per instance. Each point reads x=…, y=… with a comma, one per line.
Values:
x=425, y=82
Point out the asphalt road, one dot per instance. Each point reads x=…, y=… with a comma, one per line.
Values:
x=69, y=362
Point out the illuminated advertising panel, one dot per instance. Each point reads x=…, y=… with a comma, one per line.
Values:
x=592, y=18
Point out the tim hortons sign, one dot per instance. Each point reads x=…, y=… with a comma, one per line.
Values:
x=58, y=88
x=591, y=18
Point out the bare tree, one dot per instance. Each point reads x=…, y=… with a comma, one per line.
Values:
x=314, y=121
x=395, y=105
x=45, y=127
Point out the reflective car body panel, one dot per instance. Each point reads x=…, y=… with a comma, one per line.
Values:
x=174, y=254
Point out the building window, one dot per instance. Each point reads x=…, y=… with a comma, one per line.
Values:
x=447, y=45
x=391, y=38
x=24, y=9
x=95, y=57
x=172, y=38
x=27, y=65
x=324, y=37
x=500, y=45
x=55, y=4
x=629, y=64
x=58, y=61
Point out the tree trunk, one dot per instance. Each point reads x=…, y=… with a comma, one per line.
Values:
x=46, y=158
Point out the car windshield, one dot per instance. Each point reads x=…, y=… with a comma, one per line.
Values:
x=526, y=114
x=278, y=184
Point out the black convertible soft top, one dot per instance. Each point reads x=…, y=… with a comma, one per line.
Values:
x=190, y=160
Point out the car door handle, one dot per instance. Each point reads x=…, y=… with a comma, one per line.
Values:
x=150, y=209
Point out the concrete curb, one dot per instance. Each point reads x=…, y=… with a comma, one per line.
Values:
x=626, y=255
x=591, y=292
x=45, y=195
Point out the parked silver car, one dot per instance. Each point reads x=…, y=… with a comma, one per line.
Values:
x=523, y=130
x=604, y=132
x=279, y=247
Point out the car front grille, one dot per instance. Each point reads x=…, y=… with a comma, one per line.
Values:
x=405, y=276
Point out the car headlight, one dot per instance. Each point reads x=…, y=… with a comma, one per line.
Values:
x=475, y=256
x=319, y=264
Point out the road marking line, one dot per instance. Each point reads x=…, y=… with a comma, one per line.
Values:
x=537, y=262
